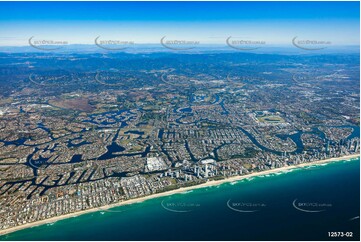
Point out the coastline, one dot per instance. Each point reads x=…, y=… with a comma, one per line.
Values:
x=176, y=191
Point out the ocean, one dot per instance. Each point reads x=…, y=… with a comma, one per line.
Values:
x=302, y=204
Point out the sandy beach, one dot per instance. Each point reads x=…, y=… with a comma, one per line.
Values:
x=180, y=190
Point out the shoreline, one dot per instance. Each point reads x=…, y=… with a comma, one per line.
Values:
x=175, y=191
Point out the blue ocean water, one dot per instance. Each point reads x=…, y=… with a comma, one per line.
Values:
x=302, y=204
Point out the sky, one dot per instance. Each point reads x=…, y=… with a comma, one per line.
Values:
x=207, y=22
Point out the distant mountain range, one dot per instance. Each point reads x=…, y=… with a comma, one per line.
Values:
x=152, y=48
